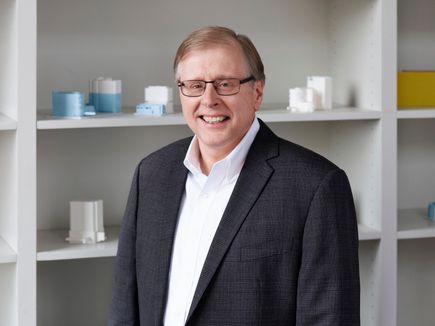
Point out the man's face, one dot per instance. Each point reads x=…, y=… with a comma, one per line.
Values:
x=219, y=122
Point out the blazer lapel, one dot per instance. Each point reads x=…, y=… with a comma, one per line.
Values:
x=252, y=180
x=176, y=180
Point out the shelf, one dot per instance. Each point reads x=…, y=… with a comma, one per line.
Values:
x=416, y=113
x=7, y=123
x=102, y=120
x=52, y=246
x=7, y=255
x=128, y=119
x=367, y=233
x=414, y=224
x=335, y=114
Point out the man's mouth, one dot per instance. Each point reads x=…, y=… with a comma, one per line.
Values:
x=213, y=120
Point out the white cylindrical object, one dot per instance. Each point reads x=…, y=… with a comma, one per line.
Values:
x=105, y=85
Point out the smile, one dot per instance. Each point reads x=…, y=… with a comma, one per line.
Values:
x=213, y=120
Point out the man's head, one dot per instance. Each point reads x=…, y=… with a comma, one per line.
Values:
x=218, y=113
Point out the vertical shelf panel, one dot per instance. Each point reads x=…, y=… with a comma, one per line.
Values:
x=26, y=160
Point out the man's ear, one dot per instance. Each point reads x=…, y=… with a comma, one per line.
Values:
x=258, y=93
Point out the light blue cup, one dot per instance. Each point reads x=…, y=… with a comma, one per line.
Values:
x=68, y=104
x=106, y=102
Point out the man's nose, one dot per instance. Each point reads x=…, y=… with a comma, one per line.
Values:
x=210, y=98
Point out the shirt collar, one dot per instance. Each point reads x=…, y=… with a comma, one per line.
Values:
x=230, y=166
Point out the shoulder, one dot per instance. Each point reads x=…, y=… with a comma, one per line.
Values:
x=303, y=158
x=302, y=167
x=166, y=156
x=292, y=158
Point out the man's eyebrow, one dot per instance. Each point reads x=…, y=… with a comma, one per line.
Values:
x=218, y=77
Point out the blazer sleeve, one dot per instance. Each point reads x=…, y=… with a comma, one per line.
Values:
x=328, y=284
x=124, y=309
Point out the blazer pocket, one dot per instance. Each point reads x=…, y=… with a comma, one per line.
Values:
x=266, y=249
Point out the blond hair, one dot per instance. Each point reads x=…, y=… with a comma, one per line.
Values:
x=211, y=36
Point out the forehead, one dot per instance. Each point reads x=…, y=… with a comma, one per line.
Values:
x=224, y=60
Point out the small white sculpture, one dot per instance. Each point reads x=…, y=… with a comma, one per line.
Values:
x=322, y=86
x=86, y=222
x=301, y=99
x=316, y=96
x=160, y=95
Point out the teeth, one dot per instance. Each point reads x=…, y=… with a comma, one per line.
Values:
x=213, y=119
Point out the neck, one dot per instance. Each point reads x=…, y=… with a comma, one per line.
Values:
x=208, y=158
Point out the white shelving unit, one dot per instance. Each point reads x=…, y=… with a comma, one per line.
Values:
x=17, y=162
x=350, y=134
x=45, y=161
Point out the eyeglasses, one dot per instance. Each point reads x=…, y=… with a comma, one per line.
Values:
x=224, y=87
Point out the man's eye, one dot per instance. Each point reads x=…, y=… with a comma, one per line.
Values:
x=196, y=86
x=225, y=84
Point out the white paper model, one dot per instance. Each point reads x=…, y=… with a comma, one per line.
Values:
x=86, y=222
x=160, y=95
x=322, y=86
x=301, y=100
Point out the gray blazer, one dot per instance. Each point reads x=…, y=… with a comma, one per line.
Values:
x=285, y=251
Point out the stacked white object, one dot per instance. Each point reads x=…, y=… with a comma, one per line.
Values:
x=158, y=100
x=86, y=222
x=316, y=96
x=301, y=99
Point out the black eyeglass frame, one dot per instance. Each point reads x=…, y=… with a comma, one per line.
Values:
x=180, y=84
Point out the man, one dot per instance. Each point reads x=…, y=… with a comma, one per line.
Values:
x=235, y=226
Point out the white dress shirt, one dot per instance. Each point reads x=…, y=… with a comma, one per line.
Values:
x=203, y=204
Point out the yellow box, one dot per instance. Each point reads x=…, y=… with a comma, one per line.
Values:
x=416, y=89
